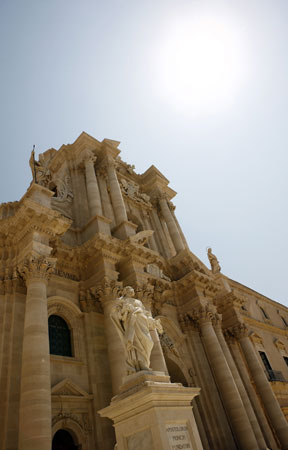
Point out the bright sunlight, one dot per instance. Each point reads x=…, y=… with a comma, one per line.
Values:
x=201, y=64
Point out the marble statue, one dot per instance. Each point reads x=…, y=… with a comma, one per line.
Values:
x=133, y=323
x=215, y=266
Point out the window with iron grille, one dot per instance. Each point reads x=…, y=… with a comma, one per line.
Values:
x=59, y=336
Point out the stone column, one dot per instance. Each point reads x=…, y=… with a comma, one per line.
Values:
x=151, y=240
x=172, y=227
x=107, y=207
x=253, y=396
x=241, y=389
x=217, y=427
x=271, y=404
x=162, y=241
x=116, y=194
x=93, y=193
x=244, y=435
x=180, y=229
x=35, y=393
x=157, y=360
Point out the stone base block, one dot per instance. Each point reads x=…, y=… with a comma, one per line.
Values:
x=152, y=413
x=124, y=230
x=98, y=224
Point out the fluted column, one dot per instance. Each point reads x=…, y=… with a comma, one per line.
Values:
x=172, y=227
x=271, y=404
x=93, y=193
x=116, y=194
x=35, y=392
x=228, y=389
x=255, y=428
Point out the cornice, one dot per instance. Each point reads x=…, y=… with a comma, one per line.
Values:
x=256, y=295
x=265, y=326
x=34, y=216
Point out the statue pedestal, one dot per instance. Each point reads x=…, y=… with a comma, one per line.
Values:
x=152, y=413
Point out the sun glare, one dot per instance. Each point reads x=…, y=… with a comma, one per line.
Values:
x=201, y=64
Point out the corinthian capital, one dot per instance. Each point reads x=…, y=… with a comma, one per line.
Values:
x=240, y=331
x=88, y=156
x=37, y=267
x=110, y=289
x=205, y=314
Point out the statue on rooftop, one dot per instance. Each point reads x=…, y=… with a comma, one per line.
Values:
x=133, y=323
x=40, y=173
x=214, y=263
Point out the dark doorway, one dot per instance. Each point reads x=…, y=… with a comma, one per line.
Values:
x=63, y=441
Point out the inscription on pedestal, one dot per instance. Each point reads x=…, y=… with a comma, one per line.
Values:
x=178, y=437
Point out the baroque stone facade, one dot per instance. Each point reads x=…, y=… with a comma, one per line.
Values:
x=88, y=226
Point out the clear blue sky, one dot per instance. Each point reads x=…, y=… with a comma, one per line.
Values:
x=131, y=71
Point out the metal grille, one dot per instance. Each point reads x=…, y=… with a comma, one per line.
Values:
x=59, y=336
x=276, y=375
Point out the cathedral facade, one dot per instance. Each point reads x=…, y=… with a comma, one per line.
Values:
x=87, y=227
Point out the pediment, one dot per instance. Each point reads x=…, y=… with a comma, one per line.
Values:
x=256, y=338
x=67, y=387
x=279, y=344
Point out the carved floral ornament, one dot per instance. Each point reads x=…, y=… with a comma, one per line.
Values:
x=132, y=190
x=37, y=266
x=81, y=419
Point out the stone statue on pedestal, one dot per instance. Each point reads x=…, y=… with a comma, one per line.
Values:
x=133, y=323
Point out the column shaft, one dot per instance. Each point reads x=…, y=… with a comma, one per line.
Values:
x=219, y=431
x=162, y=241
x=244, y=435
x=157, y=360
x=172, y=227
x=180, y=230
x=151, y=240
x=116, y=195
x=242, y=391
x=35, y=396
x=93, y=193
x=254, y=399
x=116, y=352
x=107, y=207
x=263, y=386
